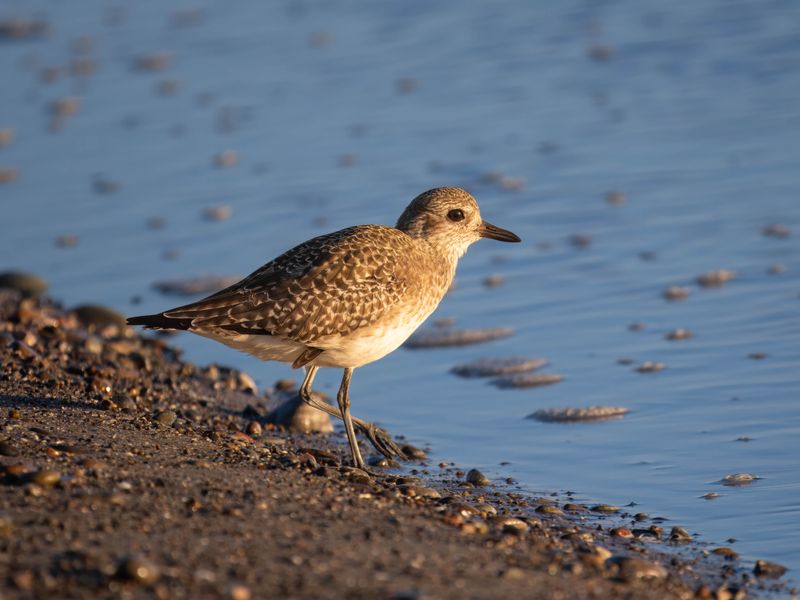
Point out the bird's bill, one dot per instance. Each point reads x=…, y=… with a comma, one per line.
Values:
x=488, y=230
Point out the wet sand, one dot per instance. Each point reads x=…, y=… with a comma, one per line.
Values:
x=127, y=472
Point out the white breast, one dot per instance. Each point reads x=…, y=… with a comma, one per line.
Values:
x=365, y=345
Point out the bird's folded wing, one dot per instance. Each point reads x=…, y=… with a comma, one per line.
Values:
x=332, y=284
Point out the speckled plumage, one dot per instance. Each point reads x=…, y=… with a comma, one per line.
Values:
x=331, y=285
x=346, y=298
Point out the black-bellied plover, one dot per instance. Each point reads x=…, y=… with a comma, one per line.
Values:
x=344, y=299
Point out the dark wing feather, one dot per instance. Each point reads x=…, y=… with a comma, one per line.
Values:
x=358, y=273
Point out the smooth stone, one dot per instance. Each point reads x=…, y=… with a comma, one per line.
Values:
x=443, y=338
x=25, y=283
x=93, y=315
x=139, y=570
x=166, y=417
x=476, y=478
x=525, y=380
x=296, y=415
x=628, y=568
x=491, y=367
x=768, y=569
x=570, y=415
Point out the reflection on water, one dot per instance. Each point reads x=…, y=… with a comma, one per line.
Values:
x=632, y=148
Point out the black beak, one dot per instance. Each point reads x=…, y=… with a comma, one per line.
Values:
x=488, y=230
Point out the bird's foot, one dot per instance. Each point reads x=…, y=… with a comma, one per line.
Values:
x=381, y=440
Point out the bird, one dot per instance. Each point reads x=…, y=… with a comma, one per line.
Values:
x=344, y=299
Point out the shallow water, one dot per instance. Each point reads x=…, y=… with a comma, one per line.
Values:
x=694, y=116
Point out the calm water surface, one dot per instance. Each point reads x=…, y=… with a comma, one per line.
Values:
x=691, y=111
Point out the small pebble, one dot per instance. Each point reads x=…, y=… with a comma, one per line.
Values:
x=102, y=185
x=166, y=417
x=572, y=415
x=320, y=39
x=8, y=174
x=239, y=592
x=93, y=345
x=739, y=479
x=6, y=136
x=65, y=107
x=20, y=28
x=679, y=534
x=524, y=380
x=581, y=240
x=548, y=509
x=621, y=532
x=169, y=87
x=601, y=52
x=46, y=478
x=776, y=269
x=156, y=223
x=226, y=159
x=493, y=281
x=628, y=568
x=153, y=62
x=768, y=569
x=510, y=524
x=777, y=230
x=346, y=160
x=491, y=367
x=67, y=240
x=716, y=278
x=8, y=449
x=605, y=508
x=138, y=569
x=727, y=553
x=676, y=292
x=443, y=338
x=679, y=334
x=413, y=452
x=95, y=316
x=29, y=285
x=218, y=213
x=476, y=478
x=406, y=85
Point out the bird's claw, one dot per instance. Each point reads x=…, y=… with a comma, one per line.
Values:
x=381, y=440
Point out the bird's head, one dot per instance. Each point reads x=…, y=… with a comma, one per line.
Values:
x=450, y=220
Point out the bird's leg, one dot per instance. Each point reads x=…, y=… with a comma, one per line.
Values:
x=377, y=436
x=343, y=398
x=305, y=387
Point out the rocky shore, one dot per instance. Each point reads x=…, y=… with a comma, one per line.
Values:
x=127, y=472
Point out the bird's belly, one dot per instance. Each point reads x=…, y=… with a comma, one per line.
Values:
x=264, y=347
x=365, y=345
x=358, y=348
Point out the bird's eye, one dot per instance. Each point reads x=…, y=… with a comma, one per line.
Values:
x=456, y=215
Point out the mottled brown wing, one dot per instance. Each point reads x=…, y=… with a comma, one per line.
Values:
x=332, y=284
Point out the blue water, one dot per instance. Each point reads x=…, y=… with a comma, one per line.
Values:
x=694, y=116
